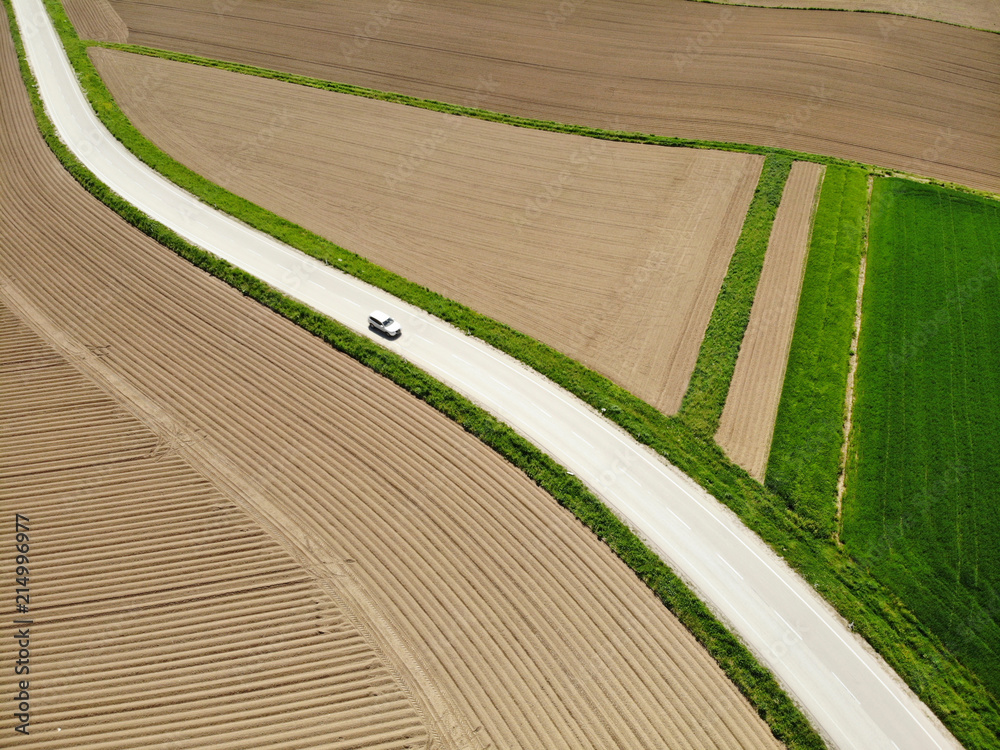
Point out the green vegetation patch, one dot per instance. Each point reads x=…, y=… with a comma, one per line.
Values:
x=923, y=497
x=804, y=464
x=944, y=684
x=706, y=394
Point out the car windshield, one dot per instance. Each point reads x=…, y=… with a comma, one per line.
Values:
x=388, y=322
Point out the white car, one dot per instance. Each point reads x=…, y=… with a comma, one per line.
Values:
x=382, y=322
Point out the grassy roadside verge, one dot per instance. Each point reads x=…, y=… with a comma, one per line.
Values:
x=809, y=431
x=774, y=706
x=706, y=394
x=933, y=673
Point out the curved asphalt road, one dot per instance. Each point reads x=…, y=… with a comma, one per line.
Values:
x=850, y=694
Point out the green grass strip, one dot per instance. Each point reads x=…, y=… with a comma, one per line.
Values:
x=755, y=682
x=706, y=394
x=804, y=464
x=934, y=674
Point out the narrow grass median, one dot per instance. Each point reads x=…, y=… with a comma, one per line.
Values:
x=932, y=671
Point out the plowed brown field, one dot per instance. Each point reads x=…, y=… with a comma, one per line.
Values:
x=506, y=622
x=922, y=96
x=155, y=596
x=611, y=253
x=747, y=422
x=95, y=19
x=980, y=14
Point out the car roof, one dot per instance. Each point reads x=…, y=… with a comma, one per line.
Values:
x=378, y=315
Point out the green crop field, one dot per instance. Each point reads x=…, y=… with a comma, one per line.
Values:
x=804, y=464
x=922, y=510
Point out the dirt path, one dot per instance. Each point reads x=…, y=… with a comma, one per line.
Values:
x=980, y=14
x=611, y=253
x=747, y=423
x=446, y=557
x=919, y=96
x=852, y=370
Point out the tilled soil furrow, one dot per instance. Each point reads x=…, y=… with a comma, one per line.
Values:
x=229, y=671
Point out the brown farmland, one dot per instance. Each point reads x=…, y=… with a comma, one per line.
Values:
x=979, y=14
x=747, y=422
x=96, y=19
x=150, y=582
x=611, y=253
x=504, y=620
x=924, y=97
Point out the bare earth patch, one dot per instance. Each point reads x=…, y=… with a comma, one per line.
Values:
x=506, y=621
x=96, y=19
x=747, y=422
x=611, y=253
x=979, y=14
x=147, y=581
x=921, y=96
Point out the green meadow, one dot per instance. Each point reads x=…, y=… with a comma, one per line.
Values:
x=922, y=510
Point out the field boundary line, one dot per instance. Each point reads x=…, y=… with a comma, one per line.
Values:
x=808, y=436
x=848, y=10
x=705, y=397
x=518, y=121
x=950, y=690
